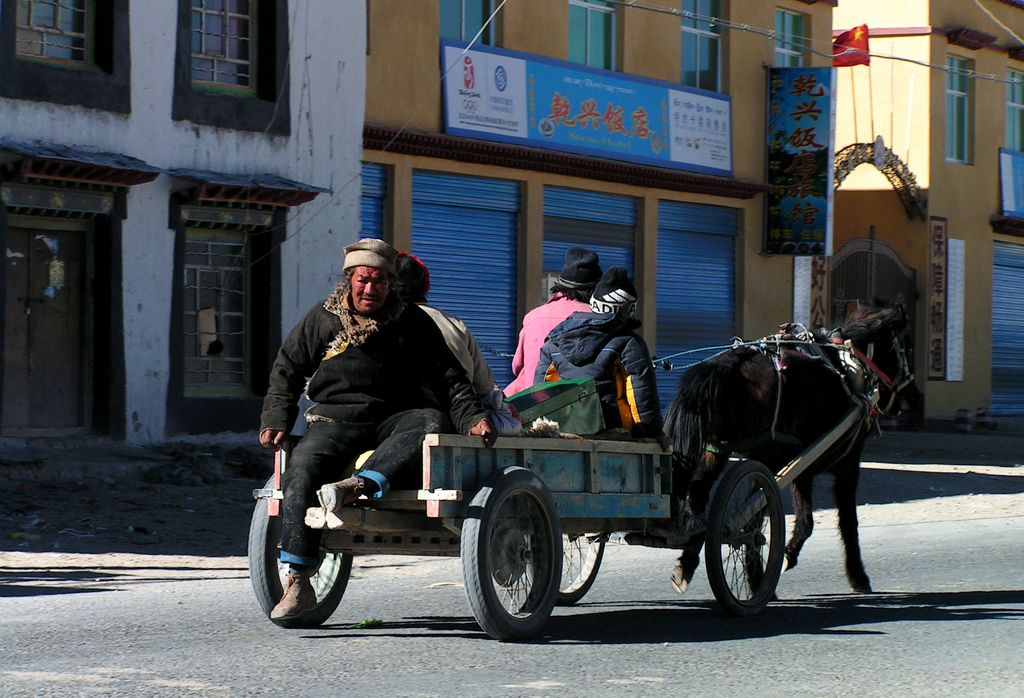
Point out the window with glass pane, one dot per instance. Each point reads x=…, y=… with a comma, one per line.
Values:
x=1015, y=110
x=223, y=43
x=54, y=29
x=462, y=19
x=215, y=311
x=592, y=33
x=789, y=39
x=958, y=104
x=702, y=42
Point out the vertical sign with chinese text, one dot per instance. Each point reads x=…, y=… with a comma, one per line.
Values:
x=954, y=310
x=800, y=155
x=937, y=299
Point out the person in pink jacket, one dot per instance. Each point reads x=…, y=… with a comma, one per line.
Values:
x=570, y=293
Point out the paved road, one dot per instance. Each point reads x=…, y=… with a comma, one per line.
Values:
x=946, y=621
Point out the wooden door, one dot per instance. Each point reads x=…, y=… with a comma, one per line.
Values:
x=43, y=330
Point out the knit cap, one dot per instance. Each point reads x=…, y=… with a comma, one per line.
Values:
x=581, y=269
x=370, y=252
x=614, y=293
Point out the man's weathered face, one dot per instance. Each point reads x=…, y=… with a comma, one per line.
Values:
x=369, y=289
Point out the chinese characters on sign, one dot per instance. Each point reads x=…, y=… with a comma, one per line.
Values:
x=559, y=106
x=801, y=125
x=812, y=291
x=937, y=299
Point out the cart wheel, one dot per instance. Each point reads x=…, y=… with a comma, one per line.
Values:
x=512, y=555
x=581, y=559
x=267, y=574
x=744, y=545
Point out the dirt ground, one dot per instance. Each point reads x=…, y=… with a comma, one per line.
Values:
x=180, y=500
x=196, y=500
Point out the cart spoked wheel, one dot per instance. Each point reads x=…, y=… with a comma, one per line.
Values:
x=581, y=559
x=512, y=555
x=743, y=550
x=268, y=575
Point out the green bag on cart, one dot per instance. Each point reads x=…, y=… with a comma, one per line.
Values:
x=574, y=404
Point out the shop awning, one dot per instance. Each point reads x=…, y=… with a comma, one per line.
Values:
x=39, y=160
x=267, y=189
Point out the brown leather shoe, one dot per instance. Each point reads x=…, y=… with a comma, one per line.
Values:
x=298, y=597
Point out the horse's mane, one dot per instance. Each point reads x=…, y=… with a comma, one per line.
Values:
x=868, y=319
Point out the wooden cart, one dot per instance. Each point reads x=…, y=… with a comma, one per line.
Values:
x=529, y=519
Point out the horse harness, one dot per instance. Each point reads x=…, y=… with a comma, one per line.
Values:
x=859, y=375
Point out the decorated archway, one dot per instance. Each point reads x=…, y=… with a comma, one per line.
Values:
x=890, y=164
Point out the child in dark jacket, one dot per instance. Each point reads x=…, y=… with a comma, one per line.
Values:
x=603, y=345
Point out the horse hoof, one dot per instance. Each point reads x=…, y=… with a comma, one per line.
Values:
x=862, y=588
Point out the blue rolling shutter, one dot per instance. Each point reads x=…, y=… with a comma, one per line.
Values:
x=1007, y=329
x=374, y=192
x=696, y=284
x=464, y=229
x=604, y=223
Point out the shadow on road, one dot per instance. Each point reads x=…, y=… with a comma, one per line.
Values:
x=16, y=583
x=681, y=622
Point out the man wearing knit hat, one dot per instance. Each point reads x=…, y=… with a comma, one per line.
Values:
x=569, y=294
x=382, y=377
x=603, y=345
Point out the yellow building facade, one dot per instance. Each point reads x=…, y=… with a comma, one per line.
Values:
x=939, y=94
x=408, y=146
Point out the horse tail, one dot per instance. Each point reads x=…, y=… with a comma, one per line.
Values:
x=690, y=414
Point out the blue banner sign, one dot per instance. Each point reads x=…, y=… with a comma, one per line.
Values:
x=539, y=102
x=801, y=151
x=1011, y=178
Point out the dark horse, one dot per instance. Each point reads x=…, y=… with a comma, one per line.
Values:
x=772, y=399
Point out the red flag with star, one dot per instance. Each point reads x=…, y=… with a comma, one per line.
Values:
x=851, y=48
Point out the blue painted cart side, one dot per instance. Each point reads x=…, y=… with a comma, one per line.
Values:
x=587, y=478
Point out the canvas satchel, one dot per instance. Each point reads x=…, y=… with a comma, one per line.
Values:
x=574, y=404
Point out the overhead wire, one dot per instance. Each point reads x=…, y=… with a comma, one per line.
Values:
x=419, y=107
x=629, y=4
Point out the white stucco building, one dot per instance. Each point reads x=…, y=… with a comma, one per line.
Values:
x=178, y=180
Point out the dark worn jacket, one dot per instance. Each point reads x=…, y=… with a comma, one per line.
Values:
x=366, y=372
x=605, y=348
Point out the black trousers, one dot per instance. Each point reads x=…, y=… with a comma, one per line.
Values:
x=324, y=454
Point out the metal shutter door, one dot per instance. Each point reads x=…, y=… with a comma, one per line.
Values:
x=695, y=285
x=375, y=190
x=1007, y=329
x=464, y=229
x=604, y=223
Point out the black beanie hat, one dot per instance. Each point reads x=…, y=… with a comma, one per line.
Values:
x=614, y=293
x=581, y=269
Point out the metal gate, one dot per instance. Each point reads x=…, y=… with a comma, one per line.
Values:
x=604, y=223
x=465, y=231
x=869, y=270
x=696, y=284
x=864, y=270
x=1007, y=329
x=371, y=202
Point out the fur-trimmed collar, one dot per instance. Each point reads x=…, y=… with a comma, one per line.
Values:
x=356, y=327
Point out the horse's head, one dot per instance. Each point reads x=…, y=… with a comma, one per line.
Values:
x=878, y=333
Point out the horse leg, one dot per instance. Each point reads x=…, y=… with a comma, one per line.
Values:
x=845, y=491
x=709, y=466
x=803, y=507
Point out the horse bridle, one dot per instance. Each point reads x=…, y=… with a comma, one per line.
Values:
x=904, y=376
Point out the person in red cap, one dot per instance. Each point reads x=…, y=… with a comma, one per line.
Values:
x=569, y=294
x=381, y=377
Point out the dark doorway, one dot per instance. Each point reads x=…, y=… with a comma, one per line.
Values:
x=45, y=357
